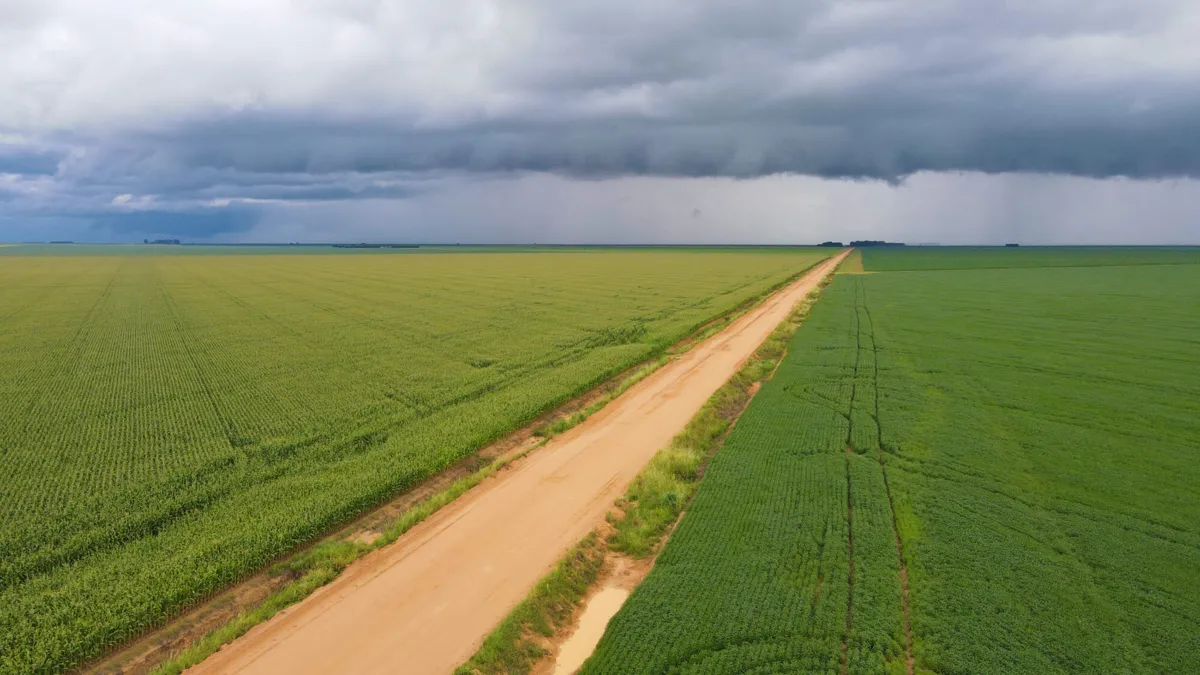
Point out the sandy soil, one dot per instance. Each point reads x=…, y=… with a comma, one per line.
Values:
x=424, y=604
x=595, y=618
x=567, y=650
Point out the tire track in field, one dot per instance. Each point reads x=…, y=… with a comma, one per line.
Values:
x=850, y=568
x=849, y=489
x=909, y=661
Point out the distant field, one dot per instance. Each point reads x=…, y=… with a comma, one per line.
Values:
x=965, y=257
x=169, y=424
x=25, y=250
x=1031, y=436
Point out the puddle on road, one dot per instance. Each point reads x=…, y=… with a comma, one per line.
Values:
x=595, y=618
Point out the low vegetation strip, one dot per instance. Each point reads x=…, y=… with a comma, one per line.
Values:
x=1021, y=449
x=151, y=403
x=651, y=505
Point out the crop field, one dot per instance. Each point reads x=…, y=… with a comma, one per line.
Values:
x=990, y=470
x=991, y=257
x=170, y=424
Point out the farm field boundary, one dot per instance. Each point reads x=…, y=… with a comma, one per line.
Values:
x=466, y=560
x=618, y=554
x=231, y=613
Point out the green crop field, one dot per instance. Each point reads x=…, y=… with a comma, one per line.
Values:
x=992, y=257
x=1028, y=435
x=171, y=423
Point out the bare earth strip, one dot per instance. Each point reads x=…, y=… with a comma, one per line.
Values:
x=423, y=604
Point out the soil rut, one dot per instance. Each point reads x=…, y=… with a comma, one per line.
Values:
x=423, y=604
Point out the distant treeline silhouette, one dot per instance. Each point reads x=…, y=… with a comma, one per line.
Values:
x=376, y=245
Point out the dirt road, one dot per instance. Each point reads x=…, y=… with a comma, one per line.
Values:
x=423, y=604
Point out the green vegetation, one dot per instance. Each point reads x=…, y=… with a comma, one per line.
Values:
x=323, y=566
x=999, y=257
x=853, y=264
x=150, y=404
x=1029, y=437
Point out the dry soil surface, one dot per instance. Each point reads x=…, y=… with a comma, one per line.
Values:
x=424, y=604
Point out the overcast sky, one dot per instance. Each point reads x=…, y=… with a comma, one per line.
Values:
x=625, y=121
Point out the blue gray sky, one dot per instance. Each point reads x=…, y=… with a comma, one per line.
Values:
x=626, y=121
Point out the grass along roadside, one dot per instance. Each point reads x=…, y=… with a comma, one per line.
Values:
x=314, y=567
x=652, y=504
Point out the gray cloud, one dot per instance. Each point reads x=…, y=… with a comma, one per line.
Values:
x=193, y=225
x=30, y=163
x=136, y=107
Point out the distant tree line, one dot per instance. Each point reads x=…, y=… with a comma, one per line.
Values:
x=377, y=246
x=872, y=242
x=175, y=242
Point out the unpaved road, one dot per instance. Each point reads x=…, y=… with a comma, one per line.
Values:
x=424, y=604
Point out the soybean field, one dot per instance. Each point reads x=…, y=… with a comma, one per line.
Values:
x=171, y=423
x=980, y=469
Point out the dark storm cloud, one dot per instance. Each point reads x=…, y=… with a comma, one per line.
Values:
x=37, y=163
x=348, y=101
x=1158, y=148
x=192, y=225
